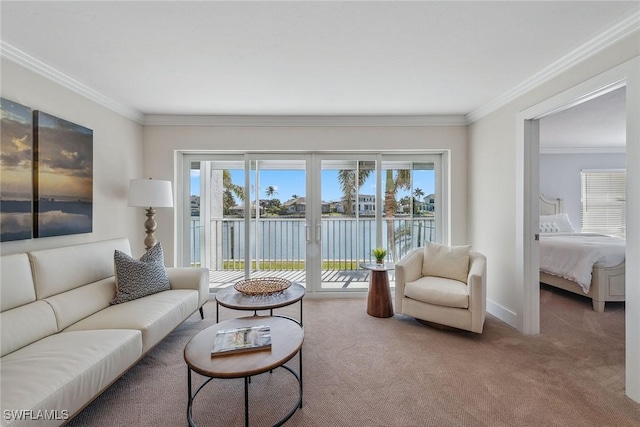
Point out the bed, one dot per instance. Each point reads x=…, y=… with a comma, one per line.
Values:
x=560, y=246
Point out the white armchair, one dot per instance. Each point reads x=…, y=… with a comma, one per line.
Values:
x=443, y=284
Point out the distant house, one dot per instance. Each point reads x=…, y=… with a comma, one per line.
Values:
x=295, y=206
x=195, y=205
x=239, y=210
x=366, y=205
x=430, y=202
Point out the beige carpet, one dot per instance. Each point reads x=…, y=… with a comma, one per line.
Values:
x=364, y=371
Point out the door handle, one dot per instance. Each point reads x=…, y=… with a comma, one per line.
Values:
x=318, y=232
x=307, y=232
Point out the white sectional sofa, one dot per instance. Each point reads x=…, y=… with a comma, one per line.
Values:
x=62, y=343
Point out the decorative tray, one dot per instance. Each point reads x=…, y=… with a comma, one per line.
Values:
x=262, y=286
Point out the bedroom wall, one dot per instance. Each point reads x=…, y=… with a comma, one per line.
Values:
x=492, y=141
x=162, y=142
x=560, y=176
x=117, y=157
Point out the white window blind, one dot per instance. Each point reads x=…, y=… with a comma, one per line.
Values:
x=604, y=201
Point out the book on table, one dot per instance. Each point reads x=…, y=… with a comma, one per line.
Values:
x=242, y=340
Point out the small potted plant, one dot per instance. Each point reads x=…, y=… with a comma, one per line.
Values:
x=379, y=254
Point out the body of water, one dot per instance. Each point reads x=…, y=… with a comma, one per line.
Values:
x=285, y=239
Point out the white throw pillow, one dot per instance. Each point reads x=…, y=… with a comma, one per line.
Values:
x=450, y=262
x=561, y=220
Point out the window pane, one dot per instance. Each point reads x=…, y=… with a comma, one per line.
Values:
x=604, y=202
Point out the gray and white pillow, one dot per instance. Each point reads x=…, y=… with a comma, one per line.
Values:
x=138, y=278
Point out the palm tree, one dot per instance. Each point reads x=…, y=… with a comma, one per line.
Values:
x=271, y=190
x=401, y=180
x=347, y=180
x=418, y=193
x=229, y=190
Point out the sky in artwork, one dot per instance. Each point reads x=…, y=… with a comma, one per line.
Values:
x=65, y=159
x=16, y=150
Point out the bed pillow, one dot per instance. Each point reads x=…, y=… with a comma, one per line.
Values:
x=450, y=262
x=138, y=278
x=549, y=227
x=558, y=223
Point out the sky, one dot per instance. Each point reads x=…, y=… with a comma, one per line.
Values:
x=292, y=182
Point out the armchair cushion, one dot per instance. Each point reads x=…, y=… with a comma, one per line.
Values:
x=438, y=291
x=450, y=262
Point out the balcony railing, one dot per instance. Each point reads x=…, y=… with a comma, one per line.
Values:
x=279, y=244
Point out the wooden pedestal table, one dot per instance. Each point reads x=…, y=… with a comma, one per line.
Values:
x=287, y=336
x=379, y=300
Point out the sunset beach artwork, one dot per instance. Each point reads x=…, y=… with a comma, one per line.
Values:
x=63, y=177
x=16, y=189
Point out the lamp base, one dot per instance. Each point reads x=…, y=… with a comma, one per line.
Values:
x=150, y=226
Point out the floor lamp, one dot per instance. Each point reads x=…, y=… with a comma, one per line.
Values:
x=150, y=194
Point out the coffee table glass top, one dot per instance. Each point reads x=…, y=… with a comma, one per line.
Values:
x=286, y=340
x=231, y=298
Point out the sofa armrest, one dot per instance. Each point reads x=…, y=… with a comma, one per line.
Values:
x=477, y=283
x=190, y=278
x=407, y=269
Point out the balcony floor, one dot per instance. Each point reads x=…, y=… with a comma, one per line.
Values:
x=331, y=279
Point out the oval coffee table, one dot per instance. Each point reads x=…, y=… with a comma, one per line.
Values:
x=286, y=341
x=229, y=297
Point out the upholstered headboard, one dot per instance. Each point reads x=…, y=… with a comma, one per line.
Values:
x=550, y=206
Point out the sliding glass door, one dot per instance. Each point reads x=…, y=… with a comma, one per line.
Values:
x=310, y=218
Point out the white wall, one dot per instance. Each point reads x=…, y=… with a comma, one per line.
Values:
x=162, y=142
x=560, y=176
x=492, y=204
x=117, y=157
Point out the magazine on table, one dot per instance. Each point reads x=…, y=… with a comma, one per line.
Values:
x=242, y=340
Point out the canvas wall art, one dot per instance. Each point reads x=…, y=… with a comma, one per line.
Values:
x=63, y=177
x=16, y=189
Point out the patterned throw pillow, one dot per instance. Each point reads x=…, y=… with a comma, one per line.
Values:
x=136, y=279
x=549, y=227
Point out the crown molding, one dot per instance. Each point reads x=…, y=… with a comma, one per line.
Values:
x=608, y=37
x=583, y=150
x=303, y=121
x=27, y=61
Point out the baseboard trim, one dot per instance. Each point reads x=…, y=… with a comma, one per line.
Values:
x=502, y=313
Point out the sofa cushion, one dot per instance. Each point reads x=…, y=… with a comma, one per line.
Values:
x=62, y=269
x=451, y=262
x=138, y=278
x=26, y=324
x=76, y=304
x=66, y=370
x=154, y=315
x=438, y=291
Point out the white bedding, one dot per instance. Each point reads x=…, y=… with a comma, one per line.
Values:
x=572, y=255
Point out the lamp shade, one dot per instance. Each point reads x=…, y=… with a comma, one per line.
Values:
x=150, y=193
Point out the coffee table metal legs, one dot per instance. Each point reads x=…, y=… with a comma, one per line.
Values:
x=255, y=313
x=246, y=401
x=247, y=380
